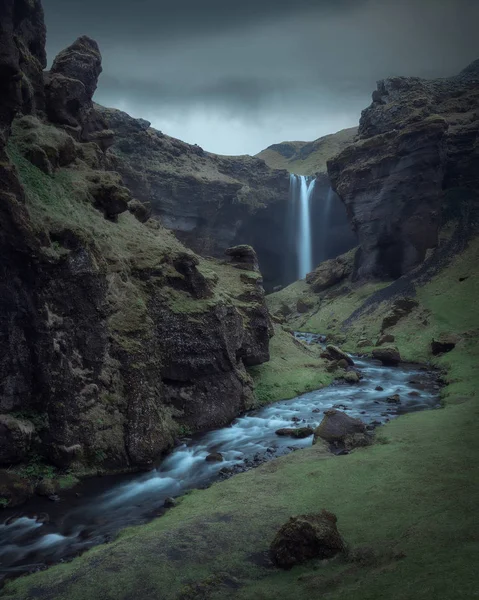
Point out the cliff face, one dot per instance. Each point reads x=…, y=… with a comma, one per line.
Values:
x=211, y=202
x=414, y=165
x=115, y=337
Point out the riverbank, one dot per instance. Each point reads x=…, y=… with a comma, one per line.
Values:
x=410, y=499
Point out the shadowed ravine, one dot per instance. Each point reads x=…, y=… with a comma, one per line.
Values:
x=93, y=512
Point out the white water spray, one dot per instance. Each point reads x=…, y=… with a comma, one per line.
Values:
x=305, y=187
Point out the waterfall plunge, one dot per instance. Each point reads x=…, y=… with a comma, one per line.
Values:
x=302, y=189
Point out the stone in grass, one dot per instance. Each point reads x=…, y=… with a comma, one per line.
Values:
x=365, y=343
x=387, y=338
x=305, y=537
x=214, y=457
x=389, y=356
x=444, y=343
x=298, y=433
x=336, y=425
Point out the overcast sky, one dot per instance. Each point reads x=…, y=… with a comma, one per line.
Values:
x=235, y=76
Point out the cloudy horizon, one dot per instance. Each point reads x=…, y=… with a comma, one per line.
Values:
x=236, y=79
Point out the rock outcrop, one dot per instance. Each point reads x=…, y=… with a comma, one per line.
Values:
x=113, y=335
x=413, y=166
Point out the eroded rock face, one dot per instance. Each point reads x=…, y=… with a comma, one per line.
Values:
x=414, y=164
x=69, y=88
x=388, y=355
x=305, y=537
x=113, y=334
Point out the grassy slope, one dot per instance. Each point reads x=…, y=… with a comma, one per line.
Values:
x=415, y=494
x=293, y=369
x=322, y=150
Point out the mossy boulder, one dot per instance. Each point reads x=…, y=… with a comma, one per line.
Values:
x=305, y=537
x=338, y=354
x=389, y=356
x=14, y=490
x=351, y=377
x=336, y=426
x=305, y=304
x=331, y=272
x=298, y=433
x=386, y=338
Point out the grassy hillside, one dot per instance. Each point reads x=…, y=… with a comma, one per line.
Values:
x=307, y=158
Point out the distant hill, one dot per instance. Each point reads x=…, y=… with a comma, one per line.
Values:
x=307, y=158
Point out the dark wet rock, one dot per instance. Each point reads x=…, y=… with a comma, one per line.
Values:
x=54, y=498
x=16, y=437
x=170, y=502
x=14, y=489
x=336, y=425
x=444, y=343
x=299, y=433
x=379, y=388
x=214, y=457
x=338, y=354
x=394, y=399
x=414, y=394
x=351, y=377
x=305, y=537
x=389, y=356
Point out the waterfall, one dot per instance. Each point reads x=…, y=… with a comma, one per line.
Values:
x=301, y=191
x=324, y=223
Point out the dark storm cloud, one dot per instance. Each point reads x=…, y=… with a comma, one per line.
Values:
x=238, y=76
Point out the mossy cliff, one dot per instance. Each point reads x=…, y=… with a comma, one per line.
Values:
x=115, y=337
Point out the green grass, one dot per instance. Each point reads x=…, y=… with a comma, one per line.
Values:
x=293, y=369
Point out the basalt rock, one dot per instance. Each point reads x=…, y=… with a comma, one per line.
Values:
x=336, y=425
x=331, y=272
x=412, y=168
x=305, y=537
x=338, y=354
x=298, y=433
x=388, y=355
x=69, y=88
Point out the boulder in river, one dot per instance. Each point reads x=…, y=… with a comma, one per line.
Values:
x=389, y=356
x=336, y=425
x=394, y=399
x=351, y=377
x=305, y=537
x=298, y=433
x=338, y=354
x=214, y=457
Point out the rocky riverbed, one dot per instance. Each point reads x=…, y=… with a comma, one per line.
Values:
x=45, y=532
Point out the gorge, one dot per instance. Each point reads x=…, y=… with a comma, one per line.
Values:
x=171, y=318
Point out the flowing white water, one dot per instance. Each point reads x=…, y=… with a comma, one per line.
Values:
x=27, y=543
x=303, y=187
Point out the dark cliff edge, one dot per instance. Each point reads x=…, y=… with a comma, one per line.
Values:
x=412, y=171
x=115, y=338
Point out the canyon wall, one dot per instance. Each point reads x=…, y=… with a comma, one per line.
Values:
x=115, y=338
x=414, y=165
